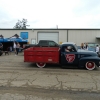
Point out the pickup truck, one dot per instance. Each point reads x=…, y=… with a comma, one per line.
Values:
x=42, y=43
x=66, y=54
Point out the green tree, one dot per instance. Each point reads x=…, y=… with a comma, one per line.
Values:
x=21, y=24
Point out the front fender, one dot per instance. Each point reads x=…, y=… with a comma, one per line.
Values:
x=83, y=61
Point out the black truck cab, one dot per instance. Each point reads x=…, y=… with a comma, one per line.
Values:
x=74, y=56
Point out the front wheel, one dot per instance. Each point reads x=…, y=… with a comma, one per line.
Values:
x=41, y=65
x=90, y=65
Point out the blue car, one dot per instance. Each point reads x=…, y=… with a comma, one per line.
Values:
x=92, y=46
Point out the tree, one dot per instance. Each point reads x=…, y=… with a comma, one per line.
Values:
x=21, y=24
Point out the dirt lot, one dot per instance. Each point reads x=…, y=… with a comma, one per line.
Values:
x=24, y=81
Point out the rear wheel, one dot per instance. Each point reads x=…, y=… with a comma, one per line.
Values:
x=90, y=65
x=41, y=65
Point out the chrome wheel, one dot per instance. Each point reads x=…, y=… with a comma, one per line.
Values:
x=90, y=65
x=41, y=65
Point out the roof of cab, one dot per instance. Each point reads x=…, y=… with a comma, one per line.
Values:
x=68, y=43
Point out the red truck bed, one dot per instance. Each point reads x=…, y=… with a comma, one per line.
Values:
x=42, y=54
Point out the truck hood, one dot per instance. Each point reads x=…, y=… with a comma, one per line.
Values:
x=81, y=50
x=86, y=52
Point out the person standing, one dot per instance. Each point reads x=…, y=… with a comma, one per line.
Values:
x=86, y=46
x=1, y=46
x=14, y=47
x=97, y=49
x=82, y=46
x=17, y=48
x=1, y=49
x=10, y=48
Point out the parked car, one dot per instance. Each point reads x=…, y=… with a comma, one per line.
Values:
x=42, y=43
x=92, y=46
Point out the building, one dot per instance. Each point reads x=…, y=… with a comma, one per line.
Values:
x=58, y=35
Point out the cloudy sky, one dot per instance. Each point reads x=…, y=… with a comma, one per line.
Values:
x=50, y=13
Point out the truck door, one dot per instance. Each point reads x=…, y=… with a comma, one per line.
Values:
x=69, y=57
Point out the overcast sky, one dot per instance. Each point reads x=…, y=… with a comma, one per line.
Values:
x=50, y=13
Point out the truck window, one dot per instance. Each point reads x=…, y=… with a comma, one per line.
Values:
x=43, y=43
x=51, y=43
x=76, y=48
x=67, y=49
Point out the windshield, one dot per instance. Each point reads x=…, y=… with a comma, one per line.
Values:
x=76, y=47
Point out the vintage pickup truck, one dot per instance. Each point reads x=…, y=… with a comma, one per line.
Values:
x=62, y=55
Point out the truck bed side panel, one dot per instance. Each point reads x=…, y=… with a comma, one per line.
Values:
x=42, y=54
